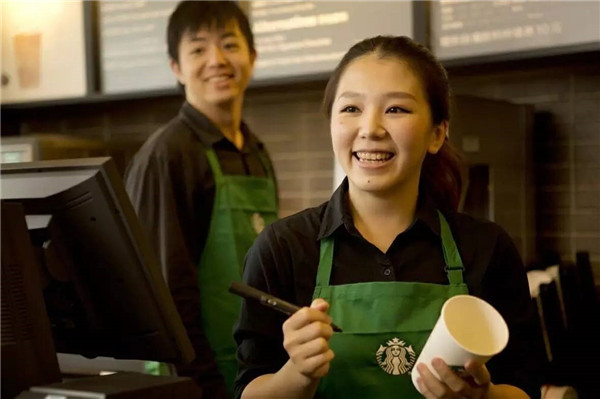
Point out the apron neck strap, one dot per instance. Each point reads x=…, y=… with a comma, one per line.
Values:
x=454, y=266
x=266, y=164
x=214, y=165
x=325, y=262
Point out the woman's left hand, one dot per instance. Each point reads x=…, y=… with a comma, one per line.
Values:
x=450, y=385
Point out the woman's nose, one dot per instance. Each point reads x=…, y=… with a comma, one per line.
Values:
x=371, y=126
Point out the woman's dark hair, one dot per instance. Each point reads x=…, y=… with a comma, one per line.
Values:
x=441, y=174
x=190, y=16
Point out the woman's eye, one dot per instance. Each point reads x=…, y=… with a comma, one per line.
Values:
x=396, y=110
x=197, y=50
x=350, y=109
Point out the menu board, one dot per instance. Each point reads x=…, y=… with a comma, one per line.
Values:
x=293, y=38
x=43, y=50
x=300, y=38
x=466, y=28
x=133, y=46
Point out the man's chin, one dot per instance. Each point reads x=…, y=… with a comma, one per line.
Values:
x=222, y=99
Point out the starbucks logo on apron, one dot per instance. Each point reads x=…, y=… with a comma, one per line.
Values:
x=395, y=357
x=258, y=222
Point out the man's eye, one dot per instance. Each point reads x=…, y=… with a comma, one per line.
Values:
x=197, y=50
x=231, y=46
x=350, y=109
x=396, y=110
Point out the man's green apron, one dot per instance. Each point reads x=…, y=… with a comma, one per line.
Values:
x=243, y=206
x=386, y=325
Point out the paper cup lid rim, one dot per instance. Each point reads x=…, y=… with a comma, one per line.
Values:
x=493, y=309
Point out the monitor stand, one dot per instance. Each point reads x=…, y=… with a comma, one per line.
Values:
x=118, y=386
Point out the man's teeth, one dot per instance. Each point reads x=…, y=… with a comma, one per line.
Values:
x=219, y=78
x=373, y=156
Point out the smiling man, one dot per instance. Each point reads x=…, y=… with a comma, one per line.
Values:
x=203, y=185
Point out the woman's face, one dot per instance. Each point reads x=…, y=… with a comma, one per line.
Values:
x=381, y=125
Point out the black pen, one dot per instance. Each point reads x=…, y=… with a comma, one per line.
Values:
x=248, y=292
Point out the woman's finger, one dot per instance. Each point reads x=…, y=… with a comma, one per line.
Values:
x=479, y=372
x=450, y=378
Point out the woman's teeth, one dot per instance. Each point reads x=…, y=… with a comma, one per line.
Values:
x=373, y=156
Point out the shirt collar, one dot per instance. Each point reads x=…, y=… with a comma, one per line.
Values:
x=333, y=217
x=427, y=214
x=208, y=133
x=337, y=213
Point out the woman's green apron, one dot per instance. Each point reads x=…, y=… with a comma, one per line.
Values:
x=385, y=327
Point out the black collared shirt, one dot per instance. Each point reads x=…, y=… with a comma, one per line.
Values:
x=284, y=260
x=172, y=188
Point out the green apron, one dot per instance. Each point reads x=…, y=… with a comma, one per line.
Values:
x=243, y=206
x=385, y=327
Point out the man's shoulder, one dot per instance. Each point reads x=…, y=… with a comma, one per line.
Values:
x=171, y=148
x=169, y=141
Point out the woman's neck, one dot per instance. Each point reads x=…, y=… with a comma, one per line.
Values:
x=380, y=218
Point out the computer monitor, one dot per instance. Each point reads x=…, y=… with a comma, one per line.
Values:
x=28, y=355
x=103, y=289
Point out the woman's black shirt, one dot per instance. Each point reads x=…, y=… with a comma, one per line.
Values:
x=283, y=261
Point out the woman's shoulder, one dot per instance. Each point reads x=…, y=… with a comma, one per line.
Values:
x=474, y=226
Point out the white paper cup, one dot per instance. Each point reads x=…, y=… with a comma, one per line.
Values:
x=468, y=328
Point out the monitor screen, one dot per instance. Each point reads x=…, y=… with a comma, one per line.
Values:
x=103, y=289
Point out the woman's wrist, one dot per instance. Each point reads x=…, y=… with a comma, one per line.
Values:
x=291, y=373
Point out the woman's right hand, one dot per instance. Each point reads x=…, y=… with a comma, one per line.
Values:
x=306, y=336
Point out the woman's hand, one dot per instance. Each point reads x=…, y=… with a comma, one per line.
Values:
x=450, y=385
x=306, y=336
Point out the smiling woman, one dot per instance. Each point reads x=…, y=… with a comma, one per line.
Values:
x=381, y=127
x=383, y=254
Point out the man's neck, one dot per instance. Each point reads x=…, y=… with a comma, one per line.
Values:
x=227, y=117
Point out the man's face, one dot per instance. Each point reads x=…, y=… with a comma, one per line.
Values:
x=215, y=66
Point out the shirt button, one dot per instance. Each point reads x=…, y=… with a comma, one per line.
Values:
x=387, y=271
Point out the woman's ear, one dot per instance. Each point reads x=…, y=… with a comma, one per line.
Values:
x=438, y=136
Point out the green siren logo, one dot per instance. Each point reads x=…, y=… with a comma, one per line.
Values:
x=258, y=223
x=395, y=358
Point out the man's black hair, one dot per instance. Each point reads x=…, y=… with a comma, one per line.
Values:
x=190, y=16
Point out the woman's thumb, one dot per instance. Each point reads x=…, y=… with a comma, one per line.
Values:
x=320, y=304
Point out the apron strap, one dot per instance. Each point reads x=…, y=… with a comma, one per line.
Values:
x=454, y=265
x=266, y=164
x=325, y=262
x=214, y=165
